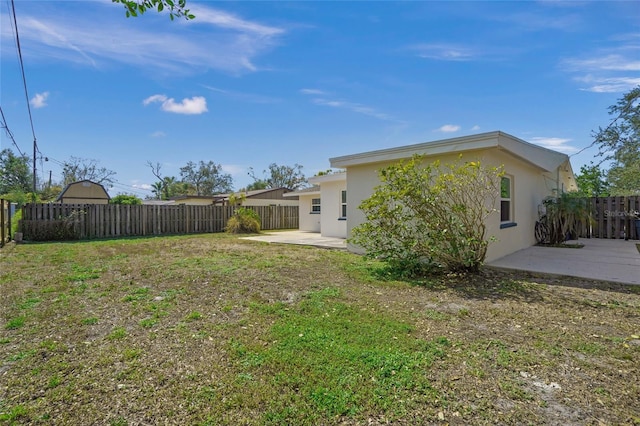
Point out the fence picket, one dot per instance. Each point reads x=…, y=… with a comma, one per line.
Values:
x=115, y=220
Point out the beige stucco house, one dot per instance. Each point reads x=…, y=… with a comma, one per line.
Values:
x=84, y=192
x=532, y=173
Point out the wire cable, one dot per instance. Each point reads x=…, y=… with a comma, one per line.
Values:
x=8, y=132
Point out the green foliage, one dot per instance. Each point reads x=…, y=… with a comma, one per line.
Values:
x=206, y=178
x=428, y=218
x=563, y=214
x=592, y=181
x=177, y=9
x=15, y=173
x=126, y=199
x=276, y=176
x=620, y=142
x=244, y=221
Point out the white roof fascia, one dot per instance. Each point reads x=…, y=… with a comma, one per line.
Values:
x=300, y=194
x=538, y=156
x=333, y=177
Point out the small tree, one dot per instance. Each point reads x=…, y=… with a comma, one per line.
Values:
x=428, y=218
x=127, y=199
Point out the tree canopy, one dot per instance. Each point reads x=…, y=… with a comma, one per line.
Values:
x=592, y=181
x=15, y=173
x=76, y=169
x=620, y=142
x=176, y=9
x=276, y=176
x=126, y=199
x=206, y=178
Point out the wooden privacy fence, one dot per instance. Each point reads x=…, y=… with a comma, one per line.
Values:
x=612, y=217
x=85, y=221
x=5, y=222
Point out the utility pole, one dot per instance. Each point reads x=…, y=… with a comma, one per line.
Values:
x=35, y=148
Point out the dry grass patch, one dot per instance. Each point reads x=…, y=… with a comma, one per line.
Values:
x=215, y=330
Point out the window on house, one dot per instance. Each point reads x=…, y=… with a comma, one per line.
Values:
x=343, y=204
x=315, y=205
x=505, y=200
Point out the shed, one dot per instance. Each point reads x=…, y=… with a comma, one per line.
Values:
x=84, y=192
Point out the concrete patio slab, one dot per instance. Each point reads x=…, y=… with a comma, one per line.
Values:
x=301, y=238
x=608, y=260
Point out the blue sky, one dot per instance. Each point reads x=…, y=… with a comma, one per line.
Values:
x=246, y=84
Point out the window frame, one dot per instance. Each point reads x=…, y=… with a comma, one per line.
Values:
x=343, y=204
x=316, y=208
x=506, y=222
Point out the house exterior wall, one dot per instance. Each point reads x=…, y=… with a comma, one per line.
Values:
x=84, y=192
x=195, y=201
x=308, y=221
x=530, y=186
x=269, y=202
x=332, y=225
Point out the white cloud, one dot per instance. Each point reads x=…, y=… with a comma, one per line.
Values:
x=612, y=71
x=189, y=106
x=39, y=100
x=158, y=134
x=445, y=52
x=226, y=20
x=449, y=128
x=475, y=128
x=354, y=107
x=229, y=43
x=144, y=186
x=245, y=97
x=608, y=85
x=312, y=92
x=154, y=98
x=613, y=62
x=556, y=144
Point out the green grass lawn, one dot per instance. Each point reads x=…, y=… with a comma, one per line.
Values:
x=214, y=330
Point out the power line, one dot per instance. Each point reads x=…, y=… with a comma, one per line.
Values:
x=26, y=93
x=8, y=132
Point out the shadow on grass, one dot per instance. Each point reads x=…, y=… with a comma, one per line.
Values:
x=494, y=283
x=487, y=284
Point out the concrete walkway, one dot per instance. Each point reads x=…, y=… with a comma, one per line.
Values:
x=301, y=238
x=599, y=259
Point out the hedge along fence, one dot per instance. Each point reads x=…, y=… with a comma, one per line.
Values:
x=5, y=222
x=45, y=222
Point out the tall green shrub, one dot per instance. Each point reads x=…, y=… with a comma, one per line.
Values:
x=564, y=213
x=428, y=218
x=244, y=221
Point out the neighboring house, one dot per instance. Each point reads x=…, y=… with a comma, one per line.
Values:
x=196, y=200
x=260, y=197
x=158, y=202
x=532, y=173
x=84, y=192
